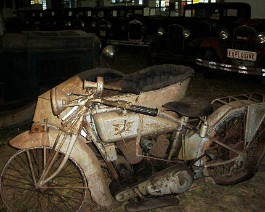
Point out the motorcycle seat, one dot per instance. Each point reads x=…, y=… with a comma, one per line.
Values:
x=190, y=107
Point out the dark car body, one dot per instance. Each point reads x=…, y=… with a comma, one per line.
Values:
x=181, y=37
x=134, y=25
x=240, y=47
x=34, y=61
x=118, y=25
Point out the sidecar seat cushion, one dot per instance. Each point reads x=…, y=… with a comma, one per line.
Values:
x=191, y=107
x=155, y=77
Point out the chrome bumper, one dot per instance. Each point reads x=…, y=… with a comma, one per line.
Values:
x=127, y=43
x=231, y=68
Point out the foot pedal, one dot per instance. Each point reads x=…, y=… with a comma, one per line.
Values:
x=152, y=203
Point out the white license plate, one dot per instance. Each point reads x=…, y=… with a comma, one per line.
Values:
x=242, y=55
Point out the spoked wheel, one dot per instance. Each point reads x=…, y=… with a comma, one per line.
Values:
x=226, y=166
x=19, y=178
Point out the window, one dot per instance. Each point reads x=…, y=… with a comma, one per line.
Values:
x=42, y=2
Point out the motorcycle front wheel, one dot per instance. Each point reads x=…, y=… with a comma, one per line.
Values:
x=225, y=166
x=21, y=173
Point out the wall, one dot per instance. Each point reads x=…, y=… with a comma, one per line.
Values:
x=257, y=7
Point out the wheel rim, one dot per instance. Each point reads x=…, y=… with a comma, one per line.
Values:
x=231, y=167
x=64, y=193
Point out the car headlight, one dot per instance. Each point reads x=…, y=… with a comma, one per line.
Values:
x=186, y=33
x=108, y=26
x=261, y=38
x=160, y=31
x=82, y=24
x=224, y=34
x=68, y=23
x=108, y=52
x=93, y=24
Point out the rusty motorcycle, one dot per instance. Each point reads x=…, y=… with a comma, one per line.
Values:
x=109, y=138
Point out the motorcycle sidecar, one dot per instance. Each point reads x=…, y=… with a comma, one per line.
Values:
x=150, y=87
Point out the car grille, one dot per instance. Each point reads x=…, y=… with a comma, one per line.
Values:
x=244, y=38
x=175, y=40
x=135, y=30
x=43, y=60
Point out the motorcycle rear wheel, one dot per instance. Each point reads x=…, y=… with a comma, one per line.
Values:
x=19, y=191
x=231, y=131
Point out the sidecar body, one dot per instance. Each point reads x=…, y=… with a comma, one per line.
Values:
x=150, y=87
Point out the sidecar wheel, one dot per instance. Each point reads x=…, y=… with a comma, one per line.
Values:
x=220, y=165
x=20, y=192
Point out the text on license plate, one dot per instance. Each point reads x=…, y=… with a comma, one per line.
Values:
x=242, y=55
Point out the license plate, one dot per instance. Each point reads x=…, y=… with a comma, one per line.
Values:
x=242, y=55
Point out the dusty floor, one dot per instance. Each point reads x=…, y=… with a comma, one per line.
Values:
x=246, y=196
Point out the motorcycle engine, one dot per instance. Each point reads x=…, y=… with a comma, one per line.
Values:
x=154, y=147
x=173, y=180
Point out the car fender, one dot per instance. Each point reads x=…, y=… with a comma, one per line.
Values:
x=81, y=154
x=215, y=44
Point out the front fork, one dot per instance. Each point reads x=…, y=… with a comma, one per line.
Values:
x=71, y=127
x=52, y=158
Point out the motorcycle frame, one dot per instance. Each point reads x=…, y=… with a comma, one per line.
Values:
x=83, y=154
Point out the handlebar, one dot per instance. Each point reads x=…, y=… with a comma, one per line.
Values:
x=99, y=85
x=128, y=106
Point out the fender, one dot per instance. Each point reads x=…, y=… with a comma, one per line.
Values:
x=81, y=154
x=214, y=43
x=217, y=116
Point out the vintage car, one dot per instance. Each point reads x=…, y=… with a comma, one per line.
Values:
x=240, y=47
x=115, y=25
x=34, y=61
x=134, y=25
x=179, y=39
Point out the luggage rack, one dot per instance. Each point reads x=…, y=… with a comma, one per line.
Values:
x=257, y=98
x=255, y=113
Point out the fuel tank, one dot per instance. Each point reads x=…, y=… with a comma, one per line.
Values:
x=119, y=125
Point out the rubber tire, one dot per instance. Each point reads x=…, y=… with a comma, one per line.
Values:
x=19, y=183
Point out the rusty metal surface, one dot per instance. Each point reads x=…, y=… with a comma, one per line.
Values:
x=255, y=116
x=217, y=116
x=81, y=153
x=173, y=180
x=129, y=150
x=114, y=126
x=156, y=98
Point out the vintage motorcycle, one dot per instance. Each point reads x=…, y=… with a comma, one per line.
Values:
x=130, y=138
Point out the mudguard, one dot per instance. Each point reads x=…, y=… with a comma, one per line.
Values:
x=218, y=116
x=81, y=154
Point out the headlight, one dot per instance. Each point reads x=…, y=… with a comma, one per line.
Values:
x=108, y=52
x=186, y=33
x=59, y=101
x=108, y=26
x=82, y=24
x=160, y=31
x=68, y=23
x=261, y=38
x=224, y=34
x=93, y=24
